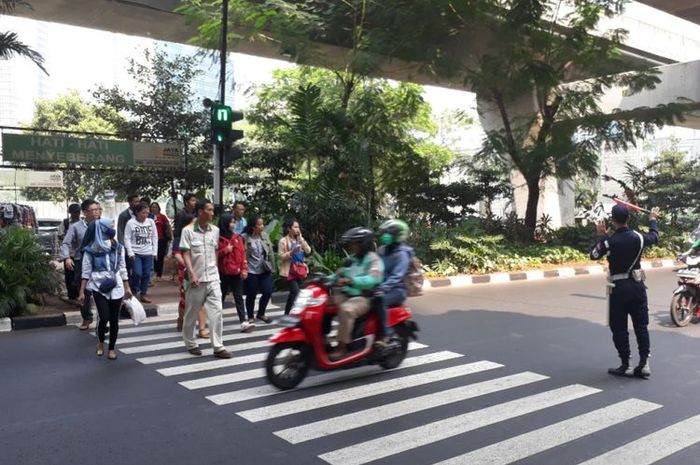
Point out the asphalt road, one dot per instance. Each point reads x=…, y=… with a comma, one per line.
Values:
x=505, y=373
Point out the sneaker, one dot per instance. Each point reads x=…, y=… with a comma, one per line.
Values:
x=622, y=370
x=643, y=370
x=247, y=327
x=223, y=353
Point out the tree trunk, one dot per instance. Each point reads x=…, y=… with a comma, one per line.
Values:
x=533, y=197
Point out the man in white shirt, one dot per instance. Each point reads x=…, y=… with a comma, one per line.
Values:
x=198, y=245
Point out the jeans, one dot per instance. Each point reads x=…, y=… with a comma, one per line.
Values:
x=234, y=284
x=254, y=285
x=629, y=297
x=85, y=309
x=390, y=299
x=160, y=260
x=294, y=288
x=141, y=273
x=108, y=311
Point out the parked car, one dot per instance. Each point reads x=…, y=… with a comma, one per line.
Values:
x=47, y=235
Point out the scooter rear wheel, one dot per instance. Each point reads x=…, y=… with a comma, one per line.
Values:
x=392, y=361
x=287, y=364
x=682, y=309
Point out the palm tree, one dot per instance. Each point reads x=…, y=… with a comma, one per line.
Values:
x=10, y=45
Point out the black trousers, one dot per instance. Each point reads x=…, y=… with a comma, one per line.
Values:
x=294, y=288
x=234, y=285
x=160, y=259
x=108, y=310
x=69, y=277
x=629, y=299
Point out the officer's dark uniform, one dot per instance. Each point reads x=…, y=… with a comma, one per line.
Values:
x=628, y=296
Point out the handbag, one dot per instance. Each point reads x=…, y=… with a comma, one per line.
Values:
x=109, y=282
x=298, y=270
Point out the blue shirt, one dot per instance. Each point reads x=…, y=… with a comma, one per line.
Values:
x=239, y=225
x=622, y=248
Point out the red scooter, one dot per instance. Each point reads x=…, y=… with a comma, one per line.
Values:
x=302, y=343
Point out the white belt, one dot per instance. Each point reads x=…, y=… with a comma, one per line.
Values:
x=619, y=277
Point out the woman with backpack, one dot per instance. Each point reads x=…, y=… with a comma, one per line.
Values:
x=104, y=274
x=291, y=250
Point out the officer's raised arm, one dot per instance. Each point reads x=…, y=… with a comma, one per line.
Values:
x=601, y=247
x=653, y=237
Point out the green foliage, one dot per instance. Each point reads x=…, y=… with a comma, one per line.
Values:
x=10, y=45
x=25, y=271
x=70, y=112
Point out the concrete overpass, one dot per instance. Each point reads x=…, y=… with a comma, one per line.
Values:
x=655, y=37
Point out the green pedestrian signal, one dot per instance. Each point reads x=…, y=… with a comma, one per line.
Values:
x=222, y=117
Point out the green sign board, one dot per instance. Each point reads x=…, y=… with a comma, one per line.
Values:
x=59, y=150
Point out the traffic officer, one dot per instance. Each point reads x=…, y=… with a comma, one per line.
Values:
x=626, y=290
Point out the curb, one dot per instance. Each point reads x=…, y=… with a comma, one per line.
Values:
x=170, y=308
x=566, y=272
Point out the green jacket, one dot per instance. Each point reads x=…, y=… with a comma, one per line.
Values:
x=269, y=252
x=366, y=274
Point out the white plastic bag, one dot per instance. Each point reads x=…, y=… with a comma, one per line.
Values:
x=135, y=309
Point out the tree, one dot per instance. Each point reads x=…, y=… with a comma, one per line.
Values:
x=10, y=45
x=161, y=109
x=529, y=53
x=670, y=182
x=71, y=113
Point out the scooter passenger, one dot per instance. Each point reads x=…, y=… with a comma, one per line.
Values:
x=396, y=256
x=358, y=280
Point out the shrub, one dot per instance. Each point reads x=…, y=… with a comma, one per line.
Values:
x=26, y=272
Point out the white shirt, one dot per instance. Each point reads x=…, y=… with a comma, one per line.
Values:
x=141, y=238
x=95, y=278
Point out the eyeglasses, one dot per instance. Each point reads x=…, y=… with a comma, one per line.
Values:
x=98, y=209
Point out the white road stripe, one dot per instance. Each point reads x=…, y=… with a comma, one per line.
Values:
x=211, y=365
x=653, y=447
x=402, y=441
x=216, y=364
x=220, y=380
x=326, y=378
x=179, y=344
x=385, y=412
x=172, y=335
x=183, y=355
x=364, y=391
x=148, y=326
x=539, y=440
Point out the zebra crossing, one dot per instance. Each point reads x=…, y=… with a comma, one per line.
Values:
x=435, y=397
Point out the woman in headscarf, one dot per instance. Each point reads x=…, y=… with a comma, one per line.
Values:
x=104, y=274
x=233, y=266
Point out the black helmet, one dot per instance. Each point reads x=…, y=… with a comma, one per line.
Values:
x=360, y=234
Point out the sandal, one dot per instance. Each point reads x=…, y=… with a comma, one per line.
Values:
x=100, y=351
x=112, y=355
x=85, y=325
x=204, y=334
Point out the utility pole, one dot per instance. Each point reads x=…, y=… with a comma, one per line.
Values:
x=220, y=148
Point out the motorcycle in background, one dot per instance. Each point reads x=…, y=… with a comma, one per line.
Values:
x=685, y=303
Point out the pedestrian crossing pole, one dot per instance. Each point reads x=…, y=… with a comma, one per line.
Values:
x=219, y=147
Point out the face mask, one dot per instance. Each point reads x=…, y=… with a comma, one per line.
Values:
x=386, y=239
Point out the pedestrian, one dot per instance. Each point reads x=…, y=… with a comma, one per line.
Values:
x=104, y=274
x=69, y=275
x=627, y=296
x=182, y=219
x=198, y=244
x=141, y=243
x=238, y=212
x=233, y=267
x=165, y=236
x=124, y=217
x=261, y=265
x=71, y=253
x=291, y=249
x=147, y=200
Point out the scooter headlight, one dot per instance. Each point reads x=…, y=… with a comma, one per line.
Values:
x=306, y=299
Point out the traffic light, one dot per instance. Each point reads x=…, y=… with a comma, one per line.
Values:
x=221, y=120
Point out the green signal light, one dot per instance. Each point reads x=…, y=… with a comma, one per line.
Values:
x=219, y=137
x=222, y=114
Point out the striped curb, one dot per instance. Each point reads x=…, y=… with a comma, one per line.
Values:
x=533, y=275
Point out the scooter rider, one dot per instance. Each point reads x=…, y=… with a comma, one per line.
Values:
x=627, y=292
x=359, y=278
x=396, y=256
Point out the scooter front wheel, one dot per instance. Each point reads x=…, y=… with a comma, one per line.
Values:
x=682, y=309
x=287, y=364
